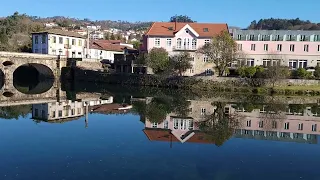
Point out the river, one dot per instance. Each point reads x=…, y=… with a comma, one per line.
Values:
x=97, y=131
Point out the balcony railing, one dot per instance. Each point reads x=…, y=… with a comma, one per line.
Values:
x=184, y=48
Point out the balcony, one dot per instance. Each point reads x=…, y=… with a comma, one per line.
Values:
x=184, y=48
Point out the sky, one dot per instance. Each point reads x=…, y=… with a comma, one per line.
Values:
x=234, y=12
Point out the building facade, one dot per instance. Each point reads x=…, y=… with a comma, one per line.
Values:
x=59, y=42
x=178, y=37
x=293, y=48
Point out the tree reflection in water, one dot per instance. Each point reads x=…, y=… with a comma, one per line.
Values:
x=14, y=112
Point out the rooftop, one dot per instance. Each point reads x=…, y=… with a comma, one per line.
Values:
x=108, y=45
x=169, y=29
x=60, y=32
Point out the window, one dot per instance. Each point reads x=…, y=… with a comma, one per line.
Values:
x=194, y=43
x=274, y=124
x=179, y=42
x=208, y=71
x=206, y=41
x=54, y=52
x=54, y=39
x=203, y=111
x=253, y=47
x=73, y=41
x=314, y=128
x=157, y=42
x=239, y=37
x=68, y=41
x=154, y=125
x=279, y=47
x=66, y=112
x=60, y=113
x=260, y=124
x=286, y=125
x=205, y=58
x=251, y=37
x=192, y=57
x=239, y=47
x=265, y=47
x=44, y=51
x=36, y=50
x=249, y=123
x=300, y=126
x=166, y=125
x=250, y=62
x=79, y=42
x=205, y=30
x=264, y=37
x=36, y=40
x=60, y=40
x=79, y=110
x=169, y=42
x=43, y=39
x=277, y=37
x=292, y=47
x=73, y=112
x=316, y=38
x=295, y=63
x=306, y=48
x=318, y=48
x=191, y=70
x=289, y=38
x=53, y=114
x=302, y=37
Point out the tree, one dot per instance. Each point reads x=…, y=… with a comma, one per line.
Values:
x=158, y=60
x=136, y=44
x=112, y=37
x=118, y=37
x=181, y=62
x=316, y=72
x=181, y=18
x=107, y=36
x=302, y=73
x=222, y=51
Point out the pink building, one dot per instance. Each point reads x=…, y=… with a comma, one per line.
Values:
x=294, y=48
x=176, y=37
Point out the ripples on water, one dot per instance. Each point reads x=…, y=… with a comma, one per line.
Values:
x=98, y=132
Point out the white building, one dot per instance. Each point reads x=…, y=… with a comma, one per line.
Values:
x=51, y=25
x=97, y=35
x=93, y=28
x=58, y=42
x=106, y=49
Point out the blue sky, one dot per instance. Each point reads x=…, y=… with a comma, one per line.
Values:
x=234, y=12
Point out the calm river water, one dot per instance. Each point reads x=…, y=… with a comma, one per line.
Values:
x=130, y=133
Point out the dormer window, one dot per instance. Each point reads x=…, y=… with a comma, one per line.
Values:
x=187, y=31
x=205, y=30
x=170, y=28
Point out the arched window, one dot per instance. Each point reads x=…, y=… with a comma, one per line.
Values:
x=194, y=43
x=179, y=43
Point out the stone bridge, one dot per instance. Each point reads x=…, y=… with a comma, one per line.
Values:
x=46, y=66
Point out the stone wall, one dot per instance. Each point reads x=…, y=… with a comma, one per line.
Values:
x=94, y=65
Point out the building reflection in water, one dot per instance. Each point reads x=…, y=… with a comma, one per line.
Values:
x=300, y=126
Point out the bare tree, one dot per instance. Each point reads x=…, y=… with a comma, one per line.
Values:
x=222, y=51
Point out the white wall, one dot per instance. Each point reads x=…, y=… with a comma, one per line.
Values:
x=103, y=54
x=57, y=48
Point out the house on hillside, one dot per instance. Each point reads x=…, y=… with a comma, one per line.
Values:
x=178, y=37
x=58, y=42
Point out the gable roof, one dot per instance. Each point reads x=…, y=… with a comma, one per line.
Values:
x=163, y=28
x=60, y=32
x=108, y=45
x=154, y=134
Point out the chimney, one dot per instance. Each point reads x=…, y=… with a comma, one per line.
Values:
x=175, y=24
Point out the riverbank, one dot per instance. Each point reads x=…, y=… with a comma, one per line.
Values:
x=194, y=84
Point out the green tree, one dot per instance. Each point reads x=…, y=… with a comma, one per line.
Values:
x=158, y=60
x=181, y=62
x=112, y=37
x=118, y=37
x=14, y=112
x=276, y=73
x=250, y=71
x=136, y=44
x=316, y=72
x=107, y=36
x=157, y=110
x=181, y=18
x=221, y=51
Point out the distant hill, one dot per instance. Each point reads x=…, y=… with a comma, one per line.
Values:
x=284, y=24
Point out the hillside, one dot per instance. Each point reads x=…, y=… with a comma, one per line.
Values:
x=284, y=24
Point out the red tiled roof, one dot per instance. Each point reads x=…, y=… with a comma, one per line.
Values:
x=107, y=108
x=107, y=45
x=165, y=135
x=162, y=28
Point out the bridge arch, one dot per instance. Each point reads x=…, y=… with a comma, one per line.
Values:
x=33, y=78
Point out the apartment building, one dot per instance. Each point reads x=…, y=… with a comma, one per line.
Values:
x=177, y=37
x=294, y=48
x=58, y=42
